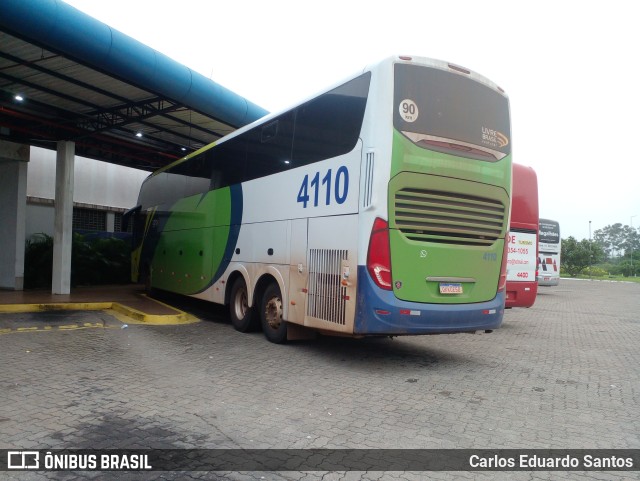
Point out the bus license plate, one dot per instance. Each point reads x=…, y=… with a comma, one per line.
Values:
x=450, y=288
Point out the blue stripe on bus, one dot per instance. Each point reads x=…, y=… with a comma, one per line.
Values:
x=379, y=312
x=234, y=232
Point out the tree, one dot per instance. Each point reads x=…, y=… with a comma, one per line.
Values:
x=576, y=255
x=616, y=238
x=627, y=269
x=632, y=242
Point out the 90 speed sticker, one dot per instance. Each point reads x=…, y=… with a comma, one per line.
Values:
x=408, y=110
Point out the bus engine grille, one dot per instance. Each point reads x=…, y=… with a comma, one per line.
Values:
x=326, y=295
x=448, y=217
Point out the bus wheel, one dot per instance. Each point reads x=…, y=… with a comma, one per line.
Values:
x=273, y=326
x=243, y=317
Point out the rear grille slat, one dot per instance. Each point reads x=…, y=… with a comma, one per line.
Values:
x=431, y=237
x=444, y=198
x=408, y=218
x=448, y=217
x=450, y=228
x=462, y=212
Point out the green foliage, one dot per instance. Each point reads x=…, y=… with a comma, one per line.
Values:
x=622, y=270
x=627, y=269
x=609, y=268
x=576, y=255
x=608, y=256
x=38, y=261
x=93, y=261
x=594, y=271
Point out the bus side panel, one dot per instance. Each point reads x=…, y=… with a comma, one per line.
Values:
x=332, y=266
x=266, y=243
x=298, y=272
x=264, y=249
x=194, y=240
x=328, y=188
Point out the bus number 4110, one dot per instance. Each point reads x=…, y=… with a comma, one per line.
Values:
x=323, y=187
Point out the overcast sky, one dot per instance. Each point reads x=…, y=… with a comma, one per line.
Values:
x=570, y=69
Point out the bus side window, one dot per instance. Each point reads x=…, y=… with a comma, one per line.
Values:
x=269, y=131
x=330, y=125
x=228, y=161
x=269, y=147
x=175, y=186
x=198, y=176
x=216, y=179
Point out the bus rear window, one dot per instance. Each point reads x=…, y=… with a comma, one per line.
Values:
x=451, y=113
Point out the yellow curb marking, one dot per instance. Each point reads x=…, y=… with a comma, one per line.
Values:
x=67, y=327
x=122, y=313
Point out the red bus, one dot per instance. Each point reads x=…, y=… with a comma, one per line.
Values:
x=522, y=255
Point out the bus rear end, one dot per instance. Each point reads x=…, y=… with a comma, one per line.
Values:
x=549, y=248
x=522, y=245
x=436, y=260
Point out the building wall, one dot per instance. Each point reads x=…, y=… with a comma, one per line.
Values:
x=39, y=219
x=105, y=188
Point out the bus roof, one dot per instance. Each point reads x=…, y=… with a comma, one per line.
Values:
x=393, y=59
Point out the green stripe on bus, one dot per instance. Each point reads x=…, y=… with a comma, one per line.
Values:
x=192, y=244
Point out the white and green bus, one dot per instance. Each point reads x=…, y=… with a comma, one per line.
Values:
x=378, y=207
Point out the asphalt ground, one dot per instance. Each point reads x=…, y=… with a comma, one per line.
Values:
x=562, y=374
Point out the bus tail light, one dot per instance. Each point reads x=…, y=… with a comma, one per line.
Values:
x=502, y=282
x=379, y=255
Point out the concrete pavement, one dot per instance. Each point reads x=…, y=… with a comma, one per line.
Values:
x=563, y=374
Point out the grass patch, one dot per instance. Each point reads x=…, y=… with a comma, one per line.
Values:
x=605, y=278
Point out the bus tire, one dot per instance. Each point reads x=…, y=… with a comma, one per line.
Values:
x=273, y=326
x=243, y=316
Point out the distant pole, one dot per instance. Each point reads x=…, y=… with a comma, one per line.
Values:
x=632, y=272
x=590, y=250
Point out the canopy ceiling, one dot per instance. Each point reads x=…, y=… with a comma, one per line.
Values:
x=66, y=76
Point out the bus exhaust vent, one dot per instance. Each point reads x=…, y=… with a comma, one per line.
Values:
x=367, y=195
x=326, y=295
x=448, y=217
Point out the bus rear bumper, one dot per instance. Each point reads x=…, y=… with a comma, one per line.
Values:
x=548, y=281
x=521, y=294
x=380, y=312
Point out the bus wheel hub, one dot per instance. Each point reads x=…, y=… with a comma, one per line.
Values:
x=273, y=312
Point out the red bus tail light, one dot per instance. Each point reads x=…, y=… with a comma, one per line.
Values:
x=379, y=255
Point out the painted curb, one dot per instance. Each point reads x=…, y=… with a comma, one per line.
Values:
x=121, y=312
